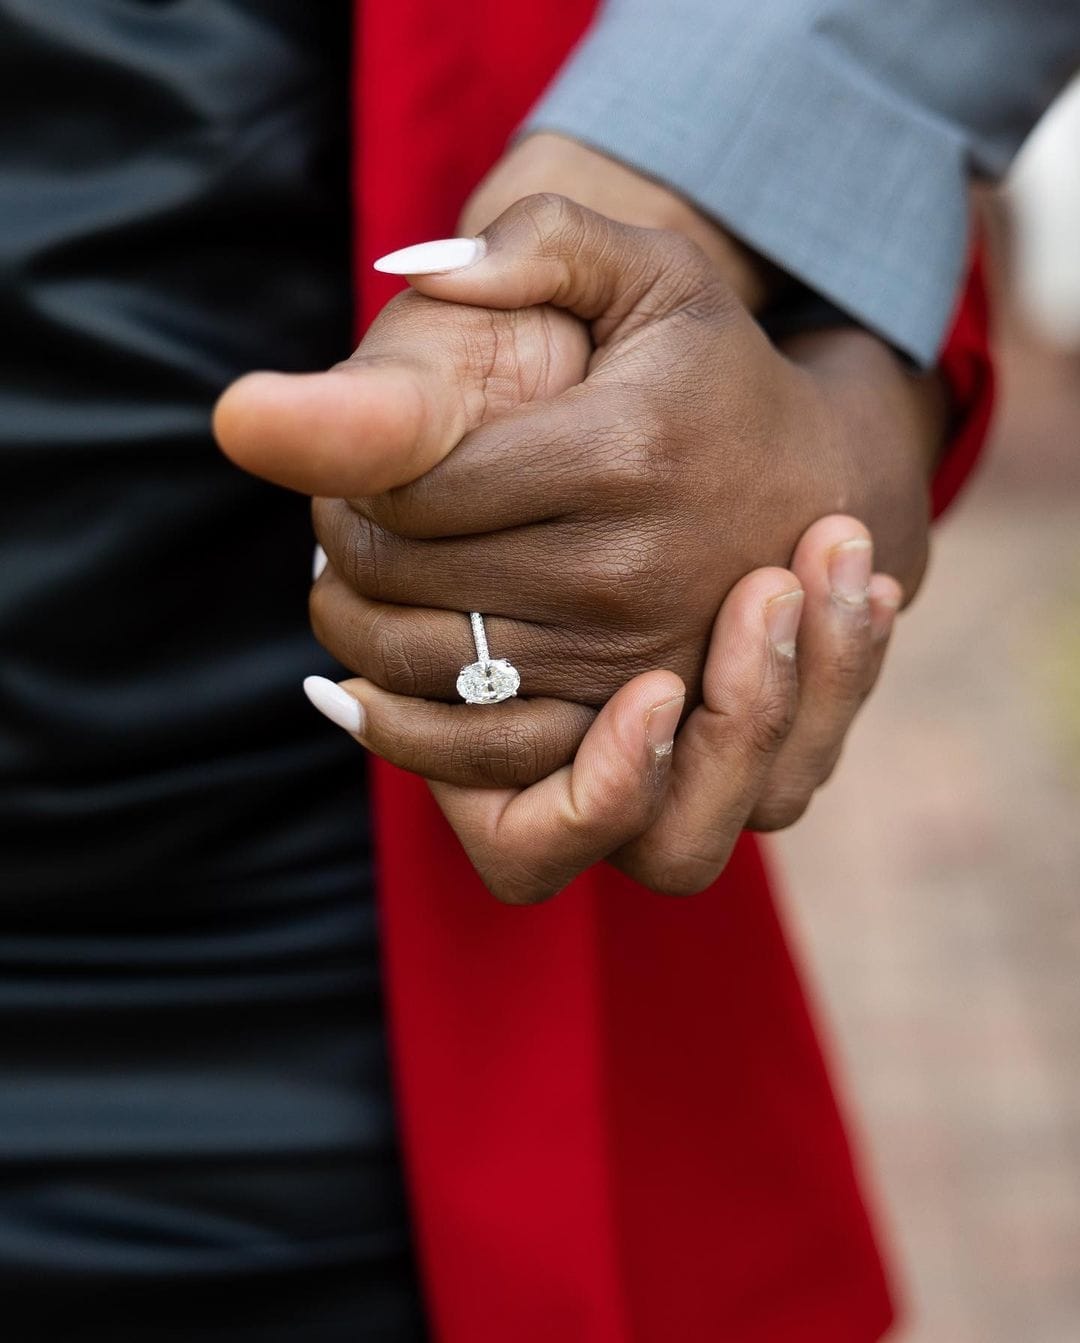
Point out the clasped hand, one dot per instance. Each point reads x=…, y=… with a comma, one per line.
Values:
x=585, y=436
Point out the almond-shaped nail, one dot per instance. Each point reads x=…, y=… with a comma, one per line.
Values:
x=849, y=571
x=318, y=563
x=782, y=616
x=432, y=258
x=336, y=704
x=660, y=725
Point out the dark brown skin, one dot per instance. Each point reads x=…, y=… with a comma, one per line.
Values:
x=645, y=496
x=599, y=523
x=545, y=162
x=766, y=733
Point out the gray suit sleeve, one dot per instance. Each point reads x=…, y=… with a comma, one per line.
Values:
x=835, y=137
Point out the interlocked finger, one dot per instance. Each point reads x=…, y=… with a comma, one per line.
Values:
x=840, y=652
x=461, y=574
x=727, y=745
x=508, y=745
x=589, y=448
x=528, y=844
x=418, y=651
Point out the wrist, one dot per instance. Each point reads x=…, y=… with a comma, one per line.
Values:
x=548, y=162
x=888, y=428
x=883, y=399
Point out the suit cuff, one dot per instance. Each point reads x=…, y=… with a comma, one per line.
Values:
x=836, y=179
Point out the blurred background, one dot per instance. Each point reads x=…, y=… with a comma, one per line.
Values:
x=935, y=884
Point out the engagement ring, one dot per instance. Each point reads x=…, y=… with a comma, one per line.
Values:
x=487, y=680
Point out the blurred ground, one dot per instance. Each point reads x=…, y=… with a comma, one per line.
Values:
x=935, y=886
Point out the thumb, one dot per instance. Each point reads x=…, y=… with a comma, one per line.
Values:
x=549, y=249
x=425, y=375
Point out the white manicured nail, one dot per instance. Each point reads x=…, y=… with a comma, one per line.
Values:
x=318, y=563
x=432, y=258
x=337, y=704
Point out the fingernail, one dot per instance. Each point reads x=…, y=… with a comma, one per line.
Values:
x=432, y=258
x=337, y=704
x=782, y=615
x=661, y=723
x=849, y=571
x=318, y=563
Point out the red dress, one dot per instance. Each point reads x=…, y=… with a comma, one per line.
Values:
x=616, y=1119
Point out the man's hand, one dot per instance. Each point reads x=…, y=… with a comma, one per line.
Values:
x=599, y=525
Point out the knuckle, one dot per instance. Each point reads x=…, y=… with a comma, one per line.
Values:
x=366, y=558
x=685, y=273
x=685, y=878
x=521, y=884
x=392, y=656
x=846, y=670
x=355, y=545
x=656, y=426
x=505, y=756
x=338, y=627
x=561, y=230
x=620, y=578
x=778, y=810
x=322, y=626
x=390, y=511
x=513, y=894
x=408, y=654
x=769, y=720
x=626, y=467
x=684, y=869
x=583, y=662
x=682, y=256
x=330, y=521
x=828, y=760
x=549, y=215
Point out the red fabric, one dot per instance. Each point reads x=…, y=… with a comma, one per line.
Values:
x=969, y=371
x=615, y=1116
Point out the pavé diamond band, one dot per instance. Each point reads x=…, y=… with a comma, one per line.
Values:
x=487, y=680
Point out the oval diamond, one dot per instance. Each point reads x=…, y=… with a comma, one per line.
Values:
x=488, y=682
